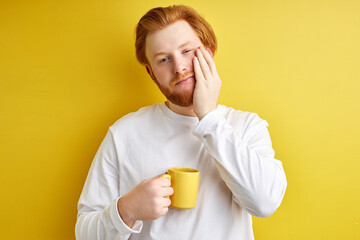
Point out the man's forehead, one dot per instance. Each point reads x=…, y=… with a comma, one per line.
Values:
x=174, y=36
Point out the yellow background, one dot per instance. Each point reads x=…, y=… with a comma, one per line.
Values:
x=68, y=71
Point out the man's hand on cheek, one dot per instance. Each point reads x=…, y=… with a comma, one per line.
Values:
x=208, y=83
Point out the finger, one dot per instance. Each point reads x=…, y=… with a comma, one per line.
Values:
x=164, y=211
x=165, y=202
x=163, y=181
x=168, y=191
x=210, y=61
x=203, y=64
x=198, y=73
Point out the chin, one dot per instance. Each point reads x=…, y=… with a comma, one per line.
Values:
x=184, y=100
x=184, y=104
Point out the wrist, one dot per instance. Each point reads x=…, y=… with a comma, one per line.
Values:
x=204, y=113
x=200, y=116
x=124, y=212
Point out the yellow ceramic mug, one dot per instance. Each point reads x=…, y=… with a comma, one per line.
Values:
x=185, y=182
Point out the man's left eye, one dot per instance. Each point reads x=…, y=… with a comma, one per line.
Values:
x=186, y=51
x=163, y=60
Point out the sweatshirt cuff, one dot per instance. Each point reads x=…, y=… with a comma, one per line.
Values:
x=119, y=224
x=206, y=122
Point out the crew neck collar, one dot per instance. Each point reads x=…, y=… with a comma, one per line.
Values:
x=170, y=113
x=176, y=116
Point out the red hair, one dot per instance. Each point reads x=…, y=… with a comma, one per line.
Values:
x=158, y=18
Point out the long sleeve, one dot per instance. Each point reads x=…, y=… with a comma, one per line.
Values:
x=245, y=159
x=98, y=217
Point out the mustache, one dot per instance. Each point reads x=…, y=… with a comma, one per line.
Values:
x=181, y=77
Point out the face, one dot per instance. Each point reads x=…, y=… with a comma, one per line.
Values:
x=170, y=52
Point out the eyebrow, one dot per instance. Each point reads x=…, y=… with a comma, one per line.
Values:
x=164, y=53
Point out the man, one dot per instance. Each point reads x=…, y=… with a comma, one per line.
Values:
x=125, y=197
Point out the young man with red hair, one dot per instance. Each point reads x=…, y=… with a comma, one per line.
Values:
x=125, y=197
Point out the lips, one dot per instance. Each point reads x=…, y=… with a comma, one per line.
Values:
x=183, y=80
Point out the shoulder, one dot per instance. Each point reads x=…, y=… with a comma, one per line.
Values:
x=138, y=118
x=242, y=118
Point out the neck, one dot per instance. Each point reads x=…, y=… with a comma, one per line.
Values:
x=186, y=111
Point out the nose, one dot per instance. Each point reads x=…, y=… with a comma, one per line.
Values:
x=180, y=65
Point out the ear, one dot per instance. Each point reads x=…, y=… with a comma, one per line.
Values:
x=149, y=71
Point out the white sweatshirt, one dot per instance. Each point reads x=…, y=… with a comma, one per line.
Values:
x=239, y=176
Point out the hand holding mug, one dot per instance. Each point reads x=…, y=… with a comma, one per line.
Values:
x=147, y=201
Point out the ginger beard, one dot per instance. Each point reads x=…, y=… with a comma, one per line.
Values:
x=179, y=95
